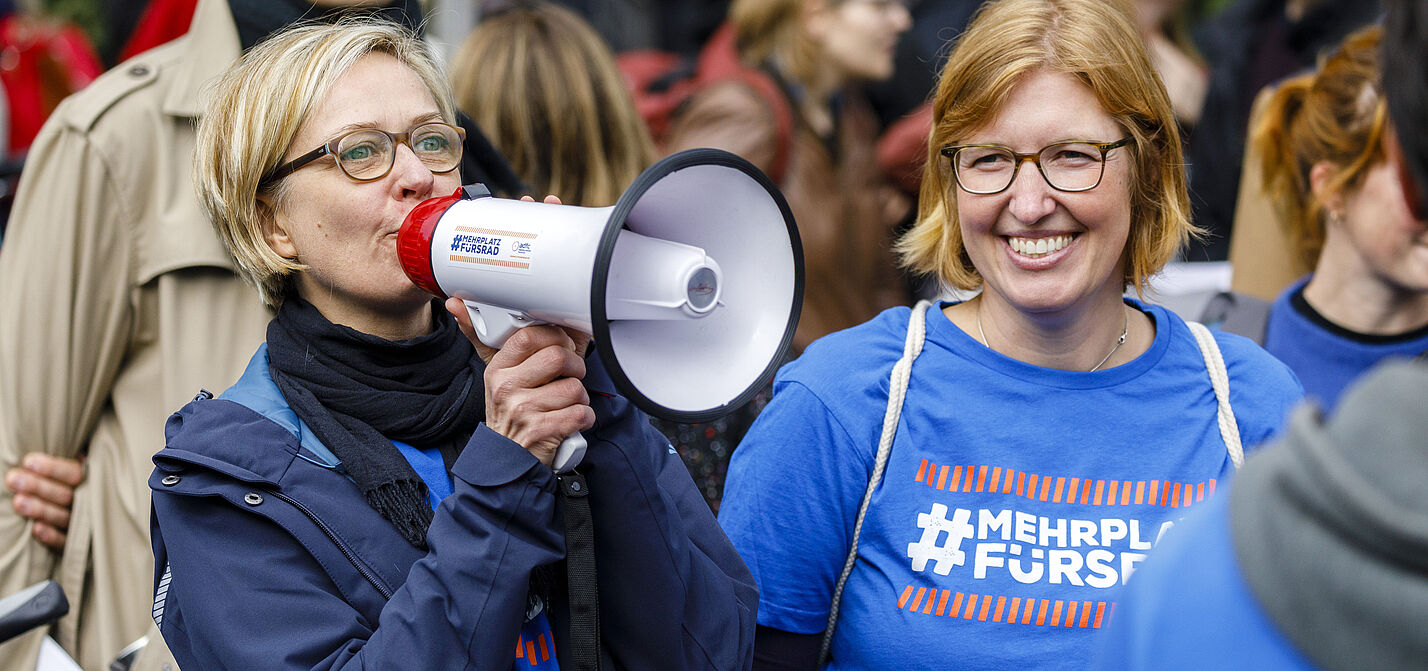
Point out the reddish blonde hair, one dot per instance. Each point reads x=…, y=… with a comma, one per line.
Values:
x=1335, y=114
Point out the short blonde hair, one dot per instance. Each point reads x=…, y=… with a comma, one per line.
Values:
x=256, y=109
x=543, y=85
x=1094, y=41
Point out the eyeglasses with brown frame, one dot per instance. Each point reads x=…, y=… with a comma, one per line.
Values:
x=368, y=154
x=1073, y=166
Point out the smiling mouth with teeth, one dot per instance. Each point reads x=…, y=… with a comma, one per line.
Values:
x=1034, y=247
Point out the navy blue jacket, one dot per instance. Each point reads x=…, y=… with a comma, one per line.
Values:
x=268, y=557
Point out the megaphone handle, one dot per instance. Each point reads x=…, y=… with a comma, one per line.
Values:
x=495, y=324
x=570, y=453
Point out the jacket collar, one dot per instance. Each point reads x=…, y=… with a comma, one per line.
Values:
x=256, y=391
x=212, y=46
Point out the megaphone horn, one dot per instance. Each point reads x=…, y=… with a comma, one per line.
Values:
x=691, y=284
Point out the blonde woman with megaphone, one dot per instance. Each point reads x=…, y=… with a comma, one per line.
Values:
x=375, y=492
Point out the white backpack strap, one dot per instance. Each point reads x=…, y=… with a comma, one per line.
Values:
x=1220, y=381
x=897, y=391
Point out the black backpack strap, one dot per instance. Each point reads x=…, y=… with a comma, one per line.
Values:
x=583, y=598
x=1237, y=313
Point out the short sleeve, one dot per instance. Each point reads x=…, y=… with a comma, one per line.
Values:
x=792, y=493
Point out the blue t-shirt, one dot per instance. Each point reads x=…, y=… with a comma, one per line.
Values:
x=1015, y=501
x=1327, y=357
x=535, y=648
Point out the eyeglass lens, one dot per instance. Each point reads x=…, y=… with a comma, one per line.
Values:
x=1071, y=166
x=369, y=154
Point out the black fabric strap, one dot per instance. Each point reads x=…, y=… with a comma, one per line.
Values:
x=584, y=594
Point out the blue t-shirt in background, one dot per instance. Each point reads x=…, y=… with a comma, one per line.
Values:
x=1327, y=357
x=1016, y=500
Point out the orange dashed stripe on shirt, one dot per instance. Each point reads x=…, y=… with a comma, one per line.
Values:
x=917, y=600
x=995, y=608
x=966, y=478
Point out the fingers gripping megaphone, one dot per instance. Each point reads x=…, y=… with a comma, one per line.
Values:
x=691, y=284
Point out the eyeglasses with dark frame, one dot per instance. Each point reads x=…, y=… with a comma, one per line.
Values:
x=1072, y=167
x=368, y=154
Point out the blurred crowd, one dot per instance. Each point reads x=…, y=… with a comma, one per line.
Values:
x=575, y=98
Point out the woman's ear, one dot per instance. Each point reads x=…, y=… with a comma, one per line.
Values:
x=275, y=231
x=1321, y=176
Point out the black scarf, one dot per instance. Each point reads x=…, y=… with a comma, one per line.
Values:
x=359, y=392
x=257, y=19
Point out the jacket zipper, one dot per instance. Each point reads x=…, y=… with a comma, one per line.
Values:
x=351, y=557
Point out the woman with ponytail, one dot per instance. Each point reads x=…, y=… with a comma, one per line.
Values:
x=1323, y=166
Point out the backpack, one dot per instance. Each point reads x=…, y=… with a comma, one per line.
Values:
x=1237, y=313
x=662, y=83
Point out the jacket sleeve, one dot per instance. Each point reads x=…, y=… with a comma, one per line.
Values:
x=241, y=592
x=673, y=592
x=64, y=324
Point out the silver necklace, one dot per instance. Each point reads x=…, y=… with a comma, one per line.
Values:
x=1125, y=329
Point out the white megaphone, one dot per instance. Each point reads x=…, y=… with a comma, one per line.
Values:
x=691, y=284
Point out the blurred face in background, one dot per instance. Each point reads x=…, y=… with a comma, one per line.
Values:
x=858, y=37
x=1388, y=241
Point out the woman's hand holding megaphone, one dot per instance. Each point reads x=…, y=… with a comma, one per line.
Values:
x=533, y=390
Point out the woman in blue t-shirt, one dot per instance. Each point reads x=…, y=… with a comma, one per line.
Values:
x=1051, y=429
x=1321, y=139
